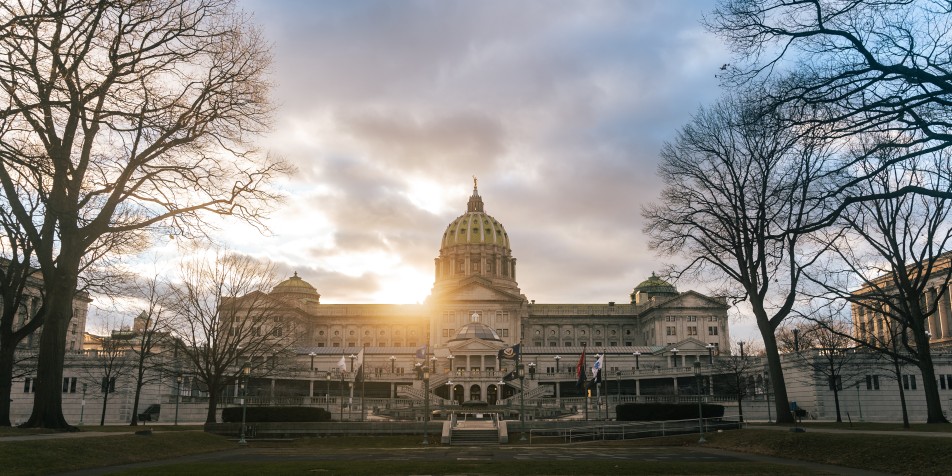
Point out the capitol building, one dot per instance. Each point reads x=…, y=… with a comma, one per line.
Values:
x=476, y=309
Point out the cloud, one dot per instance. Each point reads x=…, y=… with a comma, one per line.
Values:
x=388, y=108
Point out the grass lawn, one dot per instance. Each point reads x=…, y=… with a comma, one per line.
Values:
x=69, y=454
x=857, y=426
x=918, y=455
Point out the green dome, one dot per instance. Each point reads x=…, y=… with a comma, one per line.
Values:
x=475, y=227
x=655, y=285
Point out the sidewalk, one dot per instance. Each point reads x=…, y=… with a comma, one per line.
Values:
x=928, y=434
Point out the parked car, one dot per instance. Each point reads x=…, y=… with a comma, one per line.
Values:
x=151, y=413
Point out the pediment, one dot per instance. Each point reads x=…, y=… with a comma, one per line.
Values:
x=692, y=300
x=475, y=345
x=478, y=289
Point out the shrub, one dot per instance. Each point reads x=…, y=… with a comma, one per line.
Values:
x=666, y=411
x=275, y=414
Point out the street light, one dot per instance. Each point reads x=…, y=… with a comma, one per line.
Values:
x=426, y=405
x=178, y=395
x=392, y=362
x=352, y=357
x=674, y=354
x=637, y=358
x=449, y=386
x=245, y=371
x=312, y=354
x=82, y=408
x=327, y=396
x=521, y=372
x=710, y=354
x=451, y=357
x=531, y=370
x=700, y=414
x=557, y=359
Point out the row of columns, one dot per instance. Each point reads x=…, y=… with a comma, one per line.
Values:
x=874, y=324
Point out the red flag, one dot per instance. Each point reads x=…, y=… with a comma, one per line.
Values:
x=580, y=371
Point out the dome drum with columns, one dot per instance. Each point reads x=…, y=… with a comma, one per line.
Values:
x=476, y=308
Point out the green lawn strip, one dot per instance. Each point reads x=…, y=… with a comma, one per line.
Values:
x=888, y=453
x=495, y=468
x=69, y=454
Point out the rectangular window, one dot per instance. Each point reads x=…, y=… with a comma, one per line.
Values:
x=72, y=385
x=28, y=385
x=628, y=343
x=65, y=384
x=537, y=343
x=909, y=382
x=336, y=344
x=942, y=382
x=568, y=343
x=320, y=344
x=712, y=330
x=836, y=382
x=872, y=382
x=692, y=318
x=692, y=330
x=598, y=343
x=671, y=331
x=613, y=344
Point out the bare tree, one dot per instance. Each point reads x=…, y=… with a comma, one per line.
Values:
x=226, y=319
x=112, y=361
x=153, y=343
x=896, y=263
x=738, y=184
x=124, y=118
x=21, y=300
x=830, y=354
x=737, y=370
x=882, y=66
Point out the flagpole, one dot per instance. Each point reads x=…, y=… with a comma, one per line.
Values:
x=522, y=385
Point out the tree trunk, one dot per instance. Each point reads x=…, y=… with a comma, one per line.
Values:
x=781, y=404
x=48, y=396
x=902, y=394
x=836, y=401
x=60, y=287
x=135, y=404
x=929, y=385
x=105, y=401
x=212, y=415
x=7, y=357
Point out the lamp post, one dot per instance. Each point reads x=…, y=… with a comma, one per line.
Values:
x=352, y=357
x=767, y=392
x=637, y=360
x=178, y=395
x=557, y=359
x=312, y=354
x=618, y=381
x=426, y=405
x=341, y=403
x=393, y=384
x=393, y=361
x=245, y=372
x=521, y=372
x=531, y=370
x=674, y=357
x=82, y=407
x=796, y=340
x=700, y=414
x=327, y=395
x=451, y=357
x=449, y=389
x=710, y=354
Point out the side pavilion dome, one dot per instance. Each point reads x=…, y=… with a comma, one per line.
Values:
x=296, y=288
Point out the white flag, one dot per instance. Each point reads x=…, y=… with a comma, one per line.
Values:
x=342, y=364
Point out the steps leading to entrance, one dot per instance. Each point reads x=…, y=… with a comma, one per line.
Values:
x=474, y=437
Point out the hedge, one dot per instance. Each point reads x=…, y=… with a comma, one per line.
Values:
x=275, y=414
x=665, y=411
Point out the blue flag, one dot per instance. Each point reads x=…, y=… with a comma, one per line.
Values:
x=421, y=352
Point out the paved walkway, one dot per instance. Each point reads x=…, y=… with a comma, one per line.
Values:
x=927, y=434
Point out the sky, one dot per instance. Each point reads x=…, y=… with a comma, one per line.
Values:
x=388, y=109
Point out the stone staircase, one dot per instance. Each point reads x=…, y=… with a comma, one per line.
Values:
x=475, y=438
